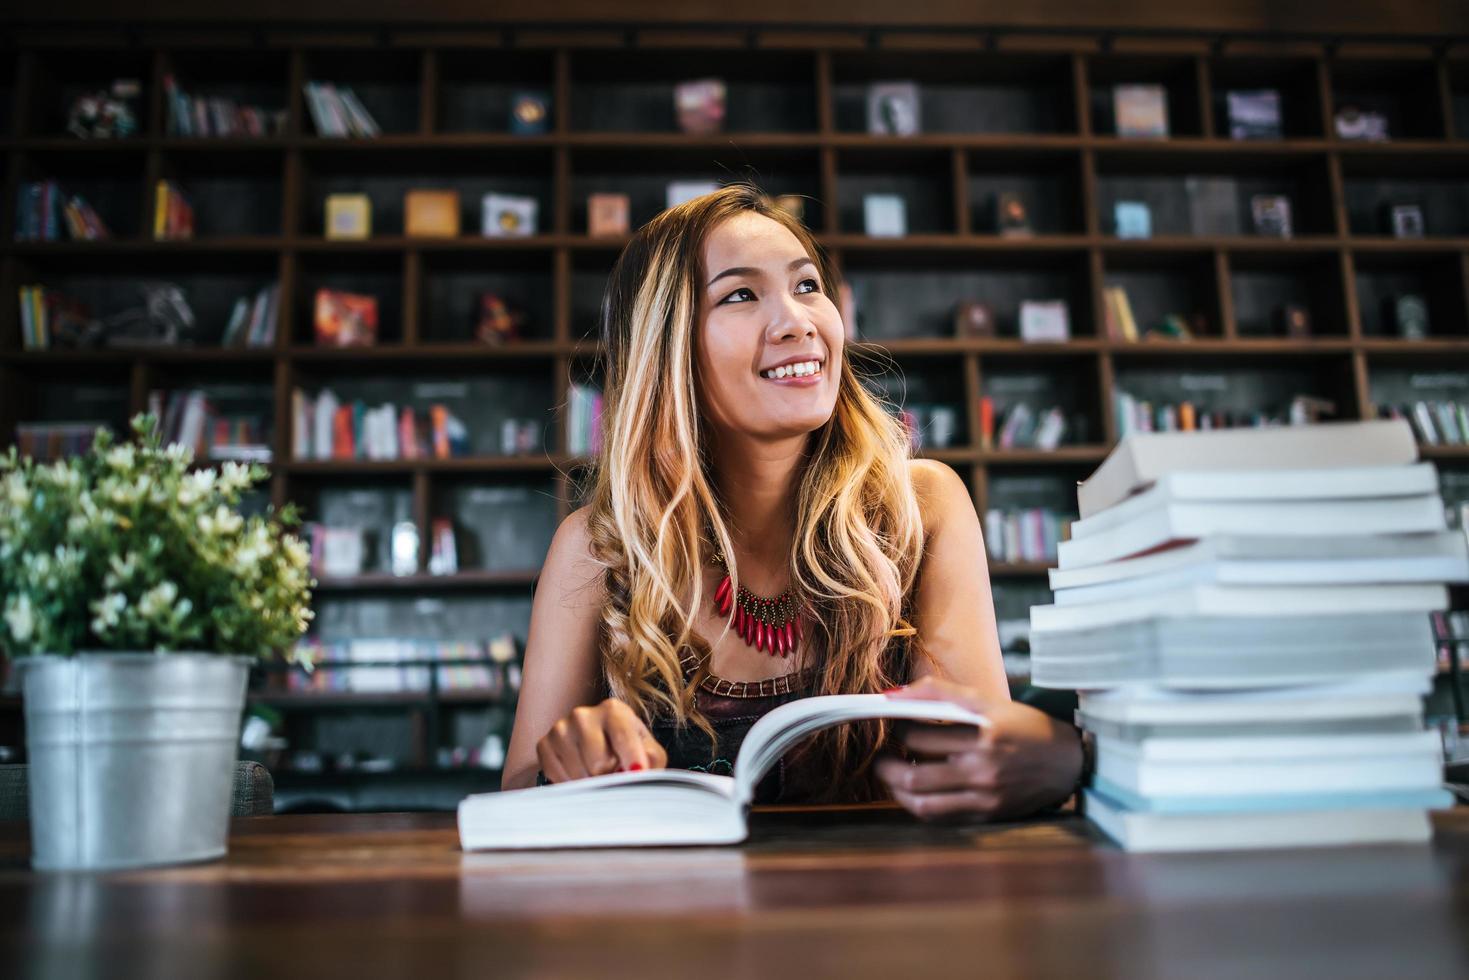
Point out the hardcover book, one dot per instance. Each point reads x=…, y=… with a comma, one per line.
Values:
x=699, y=105
x=660, y=807
x=1254, y=115
x=507, y=215
x=607, y=214
x=345, y=319
x=893, y=109
x=348, y=216
x=1141, y=110
x=431, y=213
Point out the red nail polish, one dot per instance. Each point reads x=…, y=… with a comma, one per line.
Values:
x=636, y=766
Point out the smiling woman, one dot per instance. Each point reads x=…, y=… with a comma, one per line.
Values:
x=757, y=533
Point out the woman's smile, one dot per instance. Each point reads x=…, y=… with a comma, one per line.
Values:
x=801, y=374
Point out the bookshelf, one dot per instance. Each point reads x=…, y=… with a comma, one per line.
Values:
x=1015, y=112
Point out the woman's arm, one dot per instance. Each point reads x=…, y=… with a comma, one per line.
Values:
x=561, y=669
x=954, y=611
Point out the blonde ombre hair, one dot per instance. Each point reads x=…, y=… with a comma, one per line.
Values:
x=655, y=515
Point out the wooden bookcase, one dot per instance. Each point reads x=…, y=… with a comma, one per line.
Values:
x=1003, y=111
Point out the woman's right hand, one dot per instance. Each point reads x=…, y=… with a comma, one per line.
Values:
x=598, y=739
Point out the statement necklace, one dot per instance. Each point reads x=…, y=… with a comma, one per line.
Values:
x=771, y=625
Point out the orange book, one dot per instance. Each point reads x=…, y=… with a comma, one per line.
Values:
x=1186, y=417
x=433, y=213
x=343, y=444
x=345, y=319
x=407, y=435
x=440, y=416
x=986, y=422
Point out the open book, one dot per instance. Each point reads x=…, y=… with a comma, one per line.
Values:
x=673, y=806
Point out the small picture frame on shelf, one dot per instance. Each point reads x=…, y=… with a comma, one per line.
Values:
x=1293, y=321
x=884, y=215
x=342, y=551
x=1254, y=114
x=974, y=320
x=681, y=191
x=507, y=215
x=498, y=323
x=1404, y=220
x=348, y=217
x=342, y=319
x=1270, y=215
x=607, y=215
x=1355, y=123
x=530, y=112
x=431, y=213
x=1408, y=314
x=1044, y=321
x=699, y=106
x=1012, y=218
x=1132, y=219
x=1140, y=110
x=893, y=109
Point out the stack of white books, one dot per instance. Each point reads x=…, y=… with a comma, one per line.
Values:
x=1246, y=614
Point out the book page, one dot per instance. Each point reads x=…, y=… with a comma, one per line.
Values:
x=780, y=730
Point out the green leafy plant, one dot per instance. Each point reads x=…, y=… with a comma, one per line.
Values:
x=128, y=548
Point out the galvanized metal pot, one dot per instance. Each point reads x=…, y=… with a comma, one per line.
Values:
x=132, y=756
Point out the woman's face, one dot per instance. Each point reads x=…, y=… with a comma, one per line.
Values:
x=770, y=350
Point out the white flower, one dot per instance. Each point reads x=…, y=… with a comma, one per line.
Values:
x=122, y=457
x=106, y=610
x=297, y=553
x=222, y=521
x=17, y=493
x=22, y=620
x=158, y=600
x=177, y=452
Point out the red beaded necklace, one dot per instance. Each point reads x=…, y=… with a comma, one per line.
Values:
x=771, y=625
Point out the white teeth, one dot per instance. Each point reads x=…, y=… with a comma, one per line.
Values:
x=800, y=370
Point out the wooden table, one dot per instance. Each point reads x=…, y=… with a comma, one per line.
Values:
x=854, y=893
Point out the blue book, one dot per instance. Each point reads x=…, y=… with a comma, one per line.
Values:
x=1428, y=799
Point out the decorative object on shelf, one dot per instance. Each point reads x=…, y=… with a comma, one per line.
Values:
x=403, y=551
x=443, y=558
x=519, y=436
x=1172, y=326
x=431, y=213
x=508, y=215
x=1294, y=321
x=1117, y=308
x=699, y=106
x=884, y=215
x=102, y=571
x=974, y=320
x=1254, y=114
x=1404, y=220
x=530, y=112
x=499, y=323
x=173, y=215
x=1132, y=219
x=1140, y=110
x=680, y=191
x=1044, y=321
x=1356, y=123
x=197, y=115
x=348, y=217
x=43, y=210
x=338, y=112
x=1270, y=214
x=793, y=205
x=163, y=319
x=51, y=319
x=1408, y=313
x=607, y=215
x=343, y=319
x=111, y=113
x=338, y=552
x=1310, y=409
x=893, y=109
x=1012, y=220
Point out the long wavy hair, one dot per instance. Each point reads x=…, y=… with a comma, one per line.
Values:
x=655, y=512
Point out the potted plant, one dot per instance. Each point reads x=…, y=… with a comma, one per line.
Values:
x=134, y=595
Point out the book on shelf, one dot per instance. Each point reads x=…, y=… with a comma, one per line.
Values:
x=431, y=213
x=343, y=319
x=253, y=319
x=699, y=106
x=190, y=418
x=1022, y=427
x=348, y=217
x=1434, y=423
x=681, y=191
x=338, y=112
x=1141, y=458
x=443, y=556
x=884, y=215
x=1254, y=114
x=1023, y=535
x=507, y=215
x=673, y=806
x=894, y=109
x=1132, y=219
x=1117, y=311
x=199, y=115
x=324, y=428
x=1045, y=321
x=388, y=668
x=607, y=214
x=584, y=421
x=1140, y=110
x=173, y=215
x=46, y=441
x=43, y=211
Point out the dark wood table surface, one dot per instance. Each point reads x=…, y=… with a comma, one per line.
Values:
x=849, y=893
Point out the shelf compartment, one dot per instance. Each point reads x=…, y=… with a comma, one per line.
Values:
x=386, y=81
x=960, y=93
x=765, y=91
x=1177, y=74
x=1263, y=284
x=477, y=89
x=110, y=179
x=1041, y=383
x=1295, y=79
x=922, y=178
x=1405, y=92
x=1048, y=184
x=59, y=77
x=235, y=193
x=1240, y=384
x=454, y=284
x=1383, y=277
x=501, y=524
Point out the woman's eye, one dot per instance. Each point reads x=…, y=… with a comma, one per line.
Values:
x=742, y=289
x=815, y=286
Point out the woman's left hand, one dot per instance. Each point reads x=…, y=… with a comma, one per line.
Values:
x=1022, y=761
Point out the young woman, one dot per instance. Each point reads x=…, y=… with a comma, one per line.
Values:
x=756, y=533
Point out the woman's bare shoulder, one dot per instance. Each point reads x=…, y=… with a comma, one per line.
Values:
x=570, y=561
x=940, y=491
